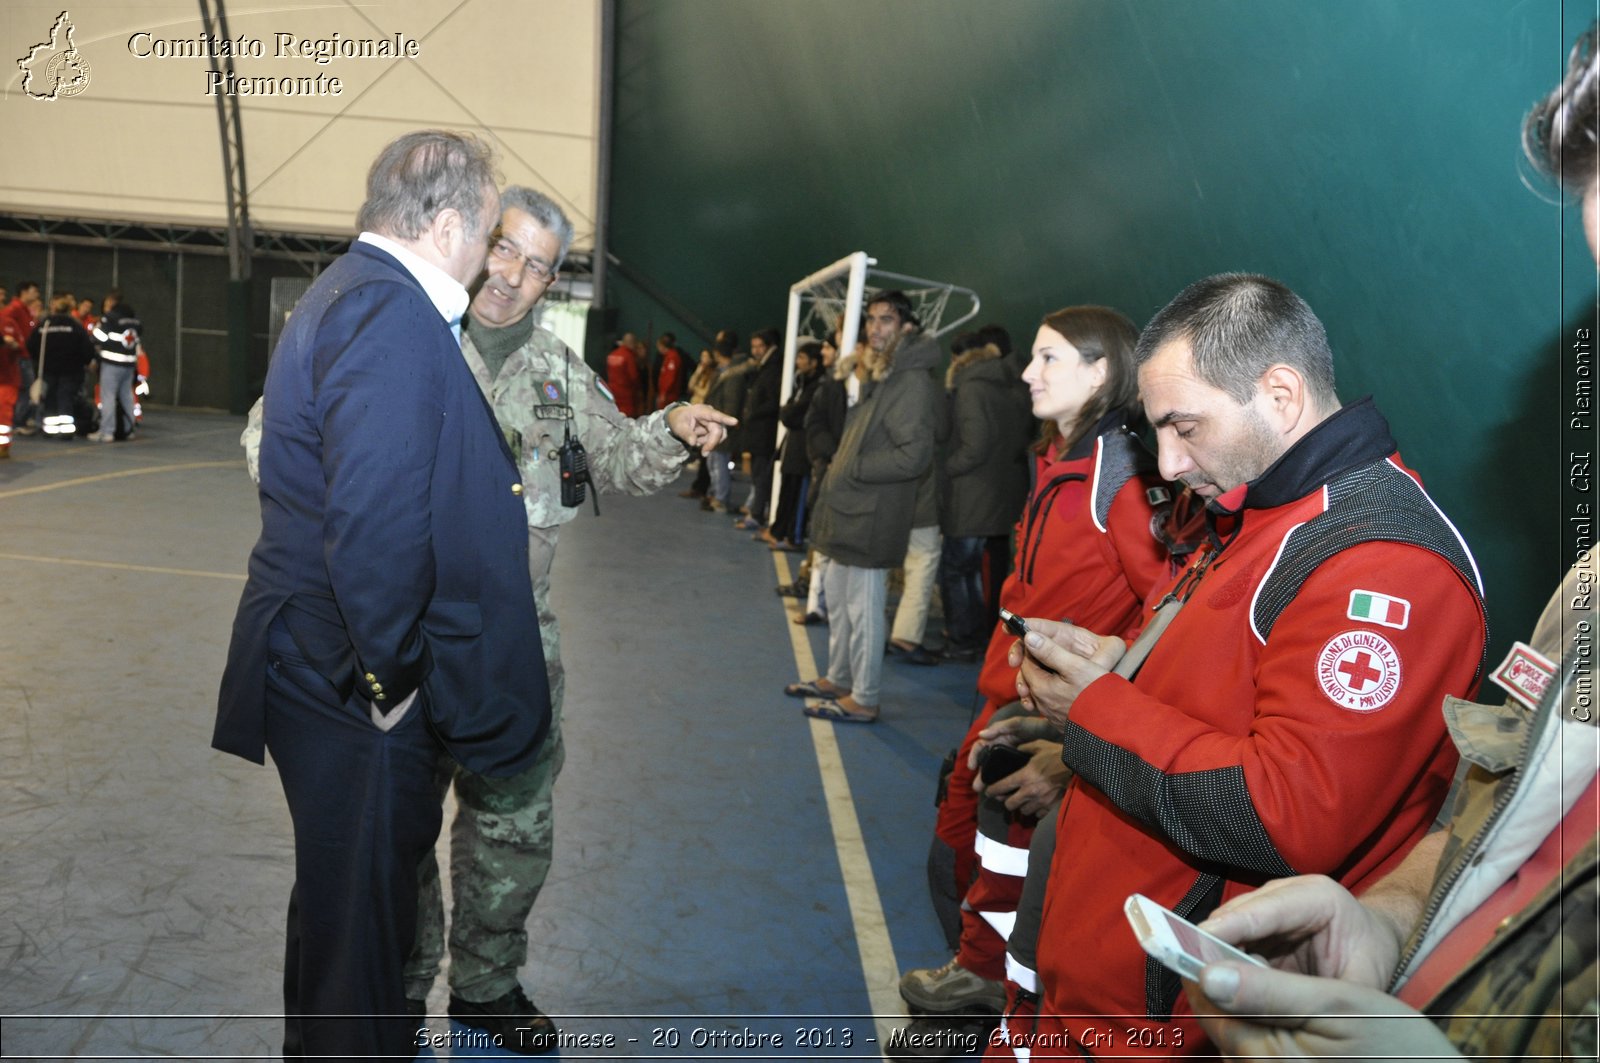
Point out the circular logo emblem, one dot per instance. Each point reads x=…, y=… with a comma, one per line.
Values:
x=67, y=73
x=551, y=391
x=1359, y=670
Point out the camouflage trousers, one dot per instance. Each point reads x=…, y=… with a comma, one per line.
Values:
x=500, y=849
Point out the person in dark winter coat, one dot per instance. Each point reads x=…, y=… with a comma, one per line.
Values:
x=794, y=464
x=985, y=481
x=863, y=519
x=63, y=350
x=759, y=419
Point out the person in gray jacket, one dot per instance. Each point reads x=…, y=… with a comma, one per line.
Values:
x=864, y=515
x=984, y=482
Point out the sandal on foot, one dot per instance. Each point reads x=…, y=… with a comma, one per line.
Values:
x=832, y=710
x=810, y=689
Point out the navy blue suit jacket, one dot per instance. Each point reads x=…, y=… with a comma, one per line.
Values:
x=394, y=543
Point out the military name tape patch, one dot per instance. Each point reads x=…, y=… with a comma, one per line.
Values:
x=1525, y=674
x=1359, y=670
x=1378, y=608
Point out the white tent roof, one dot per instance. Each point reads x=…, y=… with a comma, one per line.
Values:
x=135, y=136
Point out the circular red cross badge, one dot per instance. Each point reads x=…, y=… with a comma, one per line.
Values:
x=1359, y=670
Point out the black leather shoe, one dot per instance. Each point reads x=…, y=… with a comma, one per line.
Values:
x=521, y=1027
x=921, y=655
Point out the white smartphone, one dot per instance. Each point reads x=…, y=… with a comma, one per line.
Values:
x=1176, y=942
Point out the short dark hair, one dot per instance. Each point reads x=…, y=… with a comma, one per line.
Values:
x=1560, y=133
x=668, y=339
x=422, y=173
x=23, y=286
x=811, y=349
x=965, y=341
x=1238, y=326
x=769, y=336
x=900, y=302
x=730, y=337
x=997, y=335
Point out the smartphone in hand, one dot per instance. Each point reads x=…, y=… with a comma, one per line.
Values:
x=1177, y=943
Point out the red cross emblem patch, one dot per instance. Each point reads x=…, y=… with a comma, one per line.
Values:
x=1359, y=670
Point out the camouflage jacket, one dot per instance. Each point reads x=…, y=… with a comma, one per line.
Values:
x=541, y=390
x=1532, y=991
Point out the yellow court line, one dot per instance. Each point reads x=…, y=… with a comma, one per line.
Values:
x=237, y=577
x=878, y=966
x=81, y=480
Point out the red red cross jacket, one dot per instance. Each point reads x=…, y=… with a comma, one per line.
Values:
x=1087, y=550
x=1286, y=723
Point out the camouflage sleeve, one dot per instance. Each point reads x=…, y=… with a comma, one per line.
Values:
x=639, y=456
x=250, y=440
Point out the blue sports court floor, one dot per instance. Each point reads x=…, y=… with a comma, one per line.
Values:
x=725, y=867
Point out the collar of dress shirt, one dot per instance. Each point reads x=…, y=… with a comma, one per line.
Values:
x=446, y=294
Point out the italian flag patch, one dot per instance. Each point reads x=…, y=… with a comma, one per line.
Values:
x=1378, y=608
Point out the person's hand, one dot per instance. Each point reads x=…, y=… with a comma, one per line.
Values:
x=1312, y=925
x=1038, y=784
x=1260, y=1013
x=700, y=425
x=1057, y=661
x=1011, y=731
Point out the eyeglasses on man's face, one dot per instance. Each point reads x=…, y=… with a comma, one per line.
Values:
x=506, y=251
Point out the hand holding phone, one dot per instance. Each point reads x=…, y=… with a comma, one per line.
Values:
x=1177, y=943
x=1019, y=627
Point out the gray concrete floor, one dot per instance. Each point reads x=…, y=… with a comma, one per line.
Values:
x=143, y=876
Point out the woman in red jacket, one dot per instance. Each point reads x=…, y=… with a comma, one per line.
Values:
x=1088, y=549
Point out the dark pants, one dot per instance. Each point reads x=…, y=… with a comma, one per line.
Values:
x=365, y=812
x=789, y=520
x=760, y=487
x=961, y=587
x=24, y=410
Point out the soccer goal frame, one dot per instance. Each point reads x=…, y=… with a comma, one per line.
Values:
x=812, y=304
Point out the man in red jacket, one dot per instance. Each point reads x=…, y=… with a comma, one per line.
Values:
x=624, y=378
x=1286, y=720
x=672, y=377
x=21, y=315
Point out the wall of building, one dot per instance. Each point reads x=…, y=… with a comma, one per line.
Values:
x=1050, y=152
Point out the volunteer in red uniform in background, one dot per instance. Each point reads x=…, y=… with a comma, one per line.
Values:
x=623, y=376
x=23, y=314
x=672, y=377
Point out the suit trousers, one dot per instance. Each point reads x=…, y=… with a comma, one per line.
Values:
x=365, y=813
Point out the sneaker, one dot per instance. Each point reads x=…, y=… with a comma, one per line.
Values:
x=26, y=430
x=929, y=1038
x=952, y=990
x=521, y=1027
x=99, y=437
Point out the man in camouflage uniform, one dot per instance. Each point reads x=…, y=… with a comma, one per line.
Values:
x=1489, y=927
x=540, y=391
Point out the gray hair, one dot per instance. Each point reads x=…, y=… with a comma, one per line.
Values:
x=1238, y=326
x=423, y=173
x=546, y=214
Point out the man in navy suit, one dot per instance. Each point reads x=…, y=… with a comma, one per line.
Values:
x=388, y=610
